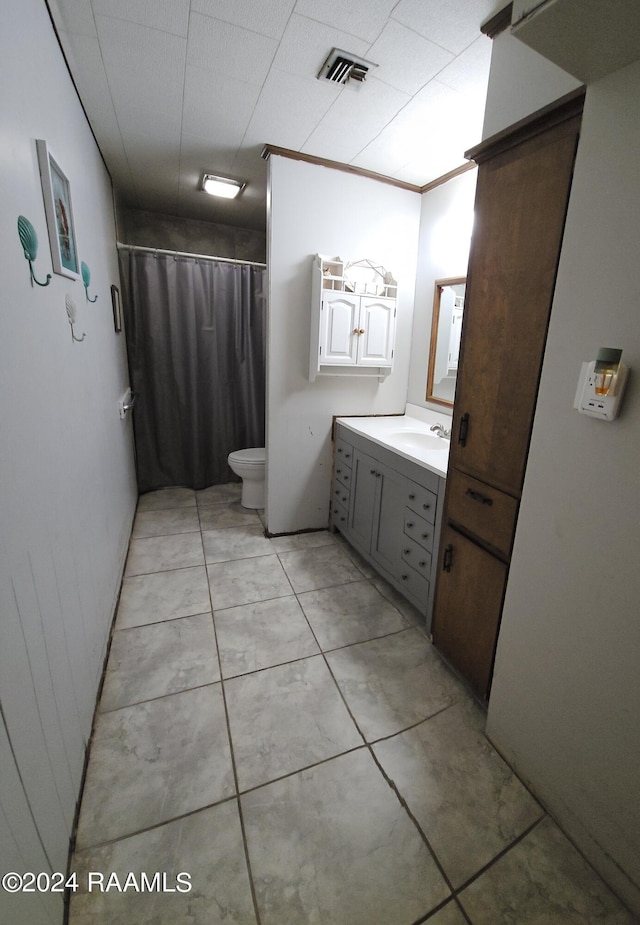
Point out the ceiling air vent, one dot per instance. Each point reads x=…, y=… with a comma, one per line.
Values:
x=341, y=66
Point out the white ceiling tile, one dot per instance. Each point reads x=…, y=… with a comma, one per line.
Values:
x=228, y=49
x=165, y=15
x=216, y=105
x=359, y=113
x=269, y=17
x=469, y=72
x=305, y=46
x=289, y=110
x=451, y=25
x=73, y=16
x=142, y=63
x=362, y=18
x=406, y=60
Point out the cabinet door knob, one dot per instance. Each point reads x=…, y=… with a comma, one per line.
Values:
x=404, y=577
x=410, y=524
x=406, y=551
x=422, y=564
x=372, y=471
x=361, y=331
x=426, y=506
x=425, y=536
x=411, y=497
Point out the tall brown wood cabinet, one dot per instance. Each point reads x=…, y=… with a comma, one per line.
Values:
x=524, y=178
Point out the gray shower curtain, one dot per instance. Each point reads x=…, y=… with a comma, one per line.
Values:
x=196, y=345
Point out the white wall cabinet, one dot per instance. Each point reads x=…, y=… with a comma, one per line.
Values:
x=352, y=333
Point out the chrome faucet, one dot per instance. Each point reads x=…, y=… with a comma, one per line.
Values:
x=440, y=431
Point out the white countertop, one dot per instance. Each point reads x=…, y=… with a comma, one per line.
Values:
x=409, y=435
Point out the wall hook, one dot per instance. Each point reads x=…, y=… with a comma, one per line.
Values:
x=86, y=279
x=29, y=241
x=72, y=312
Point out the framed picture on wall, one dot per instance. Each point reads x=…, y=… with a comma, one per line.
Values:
x=56, y=191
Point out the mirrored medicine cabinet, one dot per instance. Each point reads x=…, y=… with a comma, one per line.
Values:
x=444, y=350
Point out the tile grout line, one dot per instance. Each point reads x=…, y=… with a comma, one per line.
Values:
x=245, y=844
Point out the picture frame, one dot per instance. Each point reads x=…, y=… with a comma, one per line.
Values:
x=56, y=191
x=117, y=309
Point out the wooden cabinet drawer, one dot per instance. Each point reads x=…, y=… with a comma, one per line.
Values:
x=344, y=452
x=422, y=501
x=485, y=512
x=417, y=557
x=418, y=529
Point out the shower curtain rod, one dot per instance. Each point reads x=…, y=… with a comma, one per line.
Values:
x=159, y=250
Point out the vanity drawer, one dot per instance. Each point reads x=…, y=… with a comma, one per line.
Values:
x=340, y=494
x=415, y=585
x=486, y=512
x=417, y=557
x=344, y=452
x=339, y=515
x=343, y=474
x=422, y=501
x=418, y=529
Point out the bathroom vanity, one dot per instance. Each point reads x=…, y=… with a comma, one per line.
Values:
x=387, y=498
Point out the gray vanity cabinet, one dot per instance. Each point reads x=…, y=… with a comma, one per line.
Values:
x=389, y=510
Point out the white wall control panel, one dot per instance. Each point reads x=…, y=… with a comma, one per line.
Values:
x=592, y=400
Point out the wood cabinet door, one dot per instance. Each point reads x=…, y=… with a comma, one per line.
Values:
x=470, y=596
x=338, y=327
x=521, y=203
x=377, y=324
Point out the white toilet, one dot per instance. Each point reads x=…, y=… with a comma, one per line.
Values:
x=250, y=465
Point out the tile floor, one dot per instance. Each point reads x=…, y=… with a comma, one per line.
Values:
x=274, y=723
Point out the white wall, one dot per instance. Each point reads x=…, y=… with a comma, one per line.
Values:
x=446, y=222
x=313, y=210
x=67, y=487
x=520, y=82
x=565, y=702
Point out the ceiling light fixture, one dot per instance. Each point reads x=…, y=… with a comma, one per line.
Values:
x=221, y=186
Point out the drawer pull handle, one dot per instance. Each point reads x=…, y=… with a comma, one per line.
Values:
x=464, y=429
x=411, y=497
x=409, y=524
x=372, y=471
x=448, y=557
x=406, y=552
x=404, y=577
x=425, y=536
x=478, y=496
x=426, y=506
x=422, y=564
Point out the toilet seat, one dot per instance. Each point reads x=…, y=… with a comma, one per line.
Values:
x=254, y=456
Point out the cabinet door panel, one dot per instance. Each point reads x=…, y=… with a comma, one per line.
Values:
x=388, y=524
x=375, y=345
x=468, y=606
x=521, y=202
x=339, y=321
x=363, y=495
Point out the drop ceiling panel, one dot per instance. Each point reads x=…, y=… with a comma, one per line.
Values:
x=224, y=48
x=142, y=62
x=289, y=110
x=469, y=72
x=73, y=16
x=269, y=17
x=406, y=60
x=166, y=15
x=362, y=18
x=306, y=44
x=359, y=113
x=451, y=25
x=216, y=105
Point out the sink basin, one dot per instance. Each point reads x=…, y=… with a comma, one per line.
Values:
x=416, y=440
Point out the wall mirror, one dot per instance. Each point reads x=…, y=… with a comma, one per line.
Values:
x=446, y=327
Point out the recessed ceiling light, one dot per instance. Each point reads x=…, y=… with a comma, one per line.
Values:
x=221, y=186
